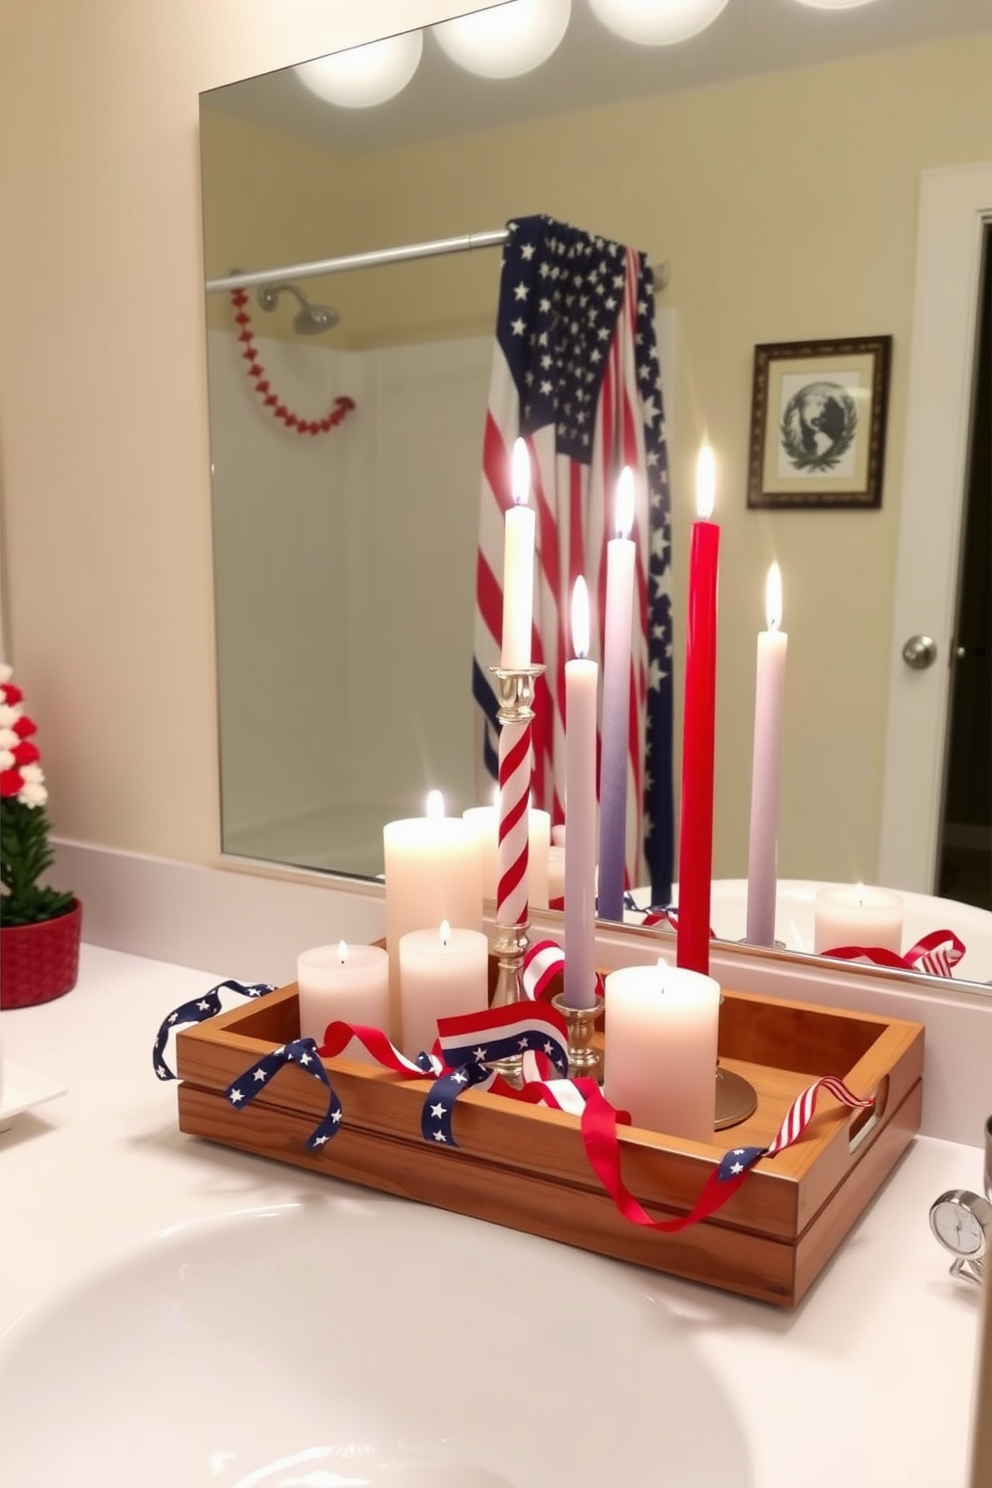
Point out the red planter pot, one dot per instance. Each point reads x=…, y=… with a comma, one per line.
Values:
x=40, y=962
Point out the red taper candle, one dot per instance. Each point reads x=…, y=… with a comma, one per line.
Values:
x=699, y=730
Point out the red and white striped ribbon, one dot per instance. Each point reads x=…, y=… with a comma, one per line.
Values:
x=937, y=954
x=515, y=763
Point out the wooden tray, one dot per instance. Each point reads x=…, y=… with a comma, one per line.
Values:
x=525, y=1167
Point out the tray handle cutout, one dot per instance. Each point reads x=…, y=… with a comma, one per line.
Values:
x=866, y=1119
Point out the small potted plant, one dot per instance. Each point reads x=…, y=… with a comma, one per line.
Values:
x=39, y=926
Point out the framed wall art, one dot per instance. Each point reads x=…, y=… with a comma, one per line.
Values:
x=818, y=417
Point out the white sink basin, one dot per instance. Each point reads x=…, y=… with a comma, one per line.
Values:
x=348, y=1342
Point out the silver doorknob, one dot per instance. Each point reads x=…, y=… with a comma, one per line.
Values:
x=920, y=651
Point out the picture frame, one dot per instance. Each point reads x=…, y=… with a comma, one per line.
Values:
x=819, y=411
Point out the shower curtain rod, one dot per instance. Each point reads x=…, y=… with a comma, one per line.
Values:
x=378, y=256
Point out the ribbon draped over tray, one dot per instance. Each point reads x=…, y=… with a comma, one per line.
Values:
x=936, y=954
x=198, y=1011
x=462, y=1058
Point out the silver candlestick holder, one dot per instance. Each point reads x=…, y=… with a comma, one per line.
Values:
x=515, y=692
x=585, y=1061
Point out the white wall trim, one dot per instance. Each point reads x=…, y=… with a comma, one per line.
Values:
x=245, y=924
x=954, y=204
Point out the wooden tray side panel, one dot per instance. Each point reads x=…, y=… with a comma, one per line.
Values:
x=525, y=1166
x=822, y=1238
x=751, y=1264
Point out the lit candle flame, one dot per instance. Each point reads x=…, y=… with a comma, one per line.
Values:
x=520, y=473
x=580, y=618
x=705, y=482
x=625, y=502
x=435, y=804
x=859, y=889
x=445, y=932
x=342, y=952
x=773, y=597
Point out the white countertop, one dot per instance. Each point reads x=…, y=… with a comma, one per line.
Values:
x=869, y=1377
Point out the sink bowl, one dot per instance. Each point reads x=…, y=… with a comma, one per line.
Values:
x=351, y=1342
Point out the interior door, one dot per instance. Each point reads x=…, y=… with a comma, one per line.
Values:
x=955, y=205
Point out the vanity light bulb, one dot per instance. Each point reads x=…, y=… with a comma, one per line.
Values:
x=833, y=4
x=507, y=40
x=364, y=76
x=657, y=22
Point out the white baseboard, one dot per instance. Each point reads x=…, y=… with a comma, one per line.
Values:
x=233, y=922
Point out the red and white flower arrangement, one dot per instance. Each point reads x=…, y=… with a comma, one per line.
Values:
x=25, y=851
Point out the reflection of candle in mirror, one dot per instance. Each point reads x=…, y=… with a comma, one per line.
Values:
x=433, y=872
x=518, y=565
x=484, y=822
x=661, y=1048
x=620, y=552
x=581, y=686
x=699, y=724
x=343, y=983
x=443, y=973
x=556, y=876
x=766, y=768
x=857, y=916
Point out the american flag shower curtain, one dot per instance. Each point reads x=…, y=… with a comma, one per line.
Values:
x=575, y=372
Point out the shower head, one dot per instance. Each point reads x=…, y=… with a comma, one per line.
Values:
x=311, y=320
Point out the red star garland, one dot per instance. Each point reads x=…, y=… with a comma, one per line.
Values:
x=340, y=410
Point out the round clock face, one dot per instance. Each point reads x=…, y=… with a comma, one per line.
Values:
x=958, y=1226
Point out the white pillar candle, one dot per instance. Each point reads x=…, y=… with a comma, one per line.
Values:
x=620, y=555
x=581, y=684
x=484, y=823
x=539, y=840
x=443, y=973
x=343, y=983
x=857, y=916
x=766, y=769
x=661, y=1048
x=556, y=873
x=518, y=565
x=433, y=872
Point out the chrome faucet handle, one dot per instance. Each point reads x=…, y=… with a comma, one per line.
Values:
x=968, y=1270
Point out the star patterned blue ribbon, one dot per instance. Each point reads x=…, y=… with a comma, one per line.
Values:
x=198, y=1011
x=739, y=1160
x=526, y=1029
x=303, y=1053
x=437, y=1110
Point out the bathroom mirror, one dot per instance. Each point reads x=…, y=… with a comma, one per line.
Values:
x=773, y=164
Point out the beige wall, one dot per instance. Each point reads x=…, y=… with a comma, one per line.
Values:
x=786, y=205
x=105, y=464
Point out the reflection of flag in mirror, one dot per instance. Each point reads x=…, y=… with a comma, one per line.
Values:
x=575, y=371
